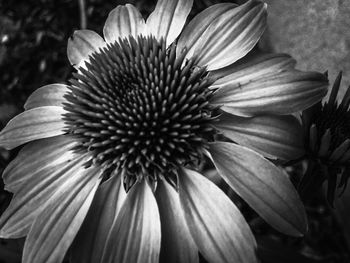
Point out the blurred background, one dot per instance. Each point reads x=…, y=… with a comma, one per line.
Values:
x=33, y=38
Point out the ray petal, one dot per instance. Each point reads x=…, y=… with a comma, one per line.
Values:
x=49, y=95
x=198, y=25
x=217, y=226
x=254, y=66
x=81, y=45
x=35, y=158
x=228, y=38
x=92, y=237
x=55, y=228
x=177, y=243
x=273, y=136
x=124, y=21
x=168, y=19
x=34, y=124
x=135, y=236
x=30, y=199
x=265, y=187
x=282, y=93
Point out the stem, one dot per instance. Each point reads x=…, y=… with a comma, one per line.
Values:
x=83, y=20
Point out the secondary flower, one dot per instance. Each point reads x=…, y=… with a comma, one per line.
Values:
x=109, y=168
x=327, y=140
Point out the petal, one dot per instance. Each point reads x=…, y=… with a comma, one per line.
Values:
x=198, y=25
x=34, y=124
x=135, y=236
x=92, y=237
x=29, y=201
x=123, y=21
x=282, y=93
x=217, y=226
x=177, y=243
x=272, y=136
x=36, y=158
x=49, y=95
x=262, y=185
x=81, y=45
x=228, y=38
x=168, y=19
x=252, y=67
x=58, y=223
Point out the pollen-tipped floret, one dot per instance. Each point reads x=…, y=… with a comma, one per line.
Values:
x=139, y=108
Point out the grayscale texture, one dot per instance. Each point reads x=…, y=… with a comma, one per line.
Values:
x=316, y=33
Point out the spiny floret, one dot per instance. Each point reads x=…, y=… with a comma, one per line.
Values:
x=140, y=108
x=337, y=119
x=327, y=127
x=331, y=119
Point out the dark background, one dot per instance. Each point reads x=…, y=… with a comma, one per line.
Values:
x=33, y=38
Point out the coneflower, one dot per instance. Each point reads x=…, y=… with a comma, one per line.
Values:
x=327, y=130
x=110, y=161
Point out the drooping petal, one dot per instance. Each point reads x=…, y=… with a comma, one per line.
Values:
x=135, y=236
x=58, y=223
x=282, y=93
x=177, y=243
x=168, y=19
x=254, y=66
x=81, y=45
x=124, y=21
x=92, y=237
x=273, y=136
x=30, y=199
x=217, y=226
x=49, y=95
x=262, y=185
x=228, y=38
x=35, y=158
x=34, y=124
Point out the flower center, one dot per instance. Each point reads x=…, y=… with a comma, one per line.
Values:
x=337, y=119
x=141, y=108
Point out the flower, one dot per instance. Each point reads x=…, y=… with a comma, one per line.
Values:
x=108, y=168
x=327, y=143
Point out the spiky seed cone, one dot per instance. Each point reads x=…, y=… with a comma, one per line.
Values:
x=140, y=108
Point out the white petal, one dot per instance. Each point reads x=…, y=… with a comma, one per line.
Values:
x=252, y=67
x=281, y=93
x=49, y=95
x=168, y=19
x=135, y=236
x=177, y=243
x=198, y=25
x=56, y=226
x=262, y=185
x=92, y=237
x=273, y=136
x=81, y=45
x=34, y=124
x=34, y=158
x=217, y=226
x=30, y=199
x=123, y=21
x=228, y=38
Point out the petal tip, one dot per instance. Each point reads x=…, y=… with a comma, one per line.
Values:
x=300, y=231
x=5, y=234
